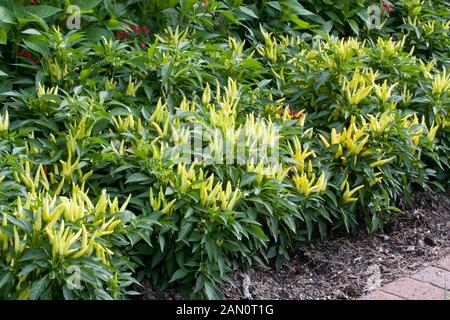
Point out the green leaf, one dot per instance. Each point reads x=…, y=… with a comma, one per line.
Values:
x=37, y=288
x=43, y=11
x=354, y=26
x=6, y=16
x=114, y=24
x=333, y=16
x=27, y=269
x=7, y=277
x=152, y=49
x=36, y=45
x=32, y=254
x=199, y=284
x=179, y=274
x=30, y=17
x=211, y=291
x=276, y=5
x=3, y=36
x=102, y=295
x=187, y=4
x=249, y=12
x=322, y=229
x=186, y=227
x=294, y=6
x=166, y=72
x=259, y=233
x=289, y=220
x=309, y=225
x=301, y=24
x=96, y=33
x=229, y=16
x=162, y=241
x=248, y=179
x=395, y=209
x=137, y=177
x=374, y=224
x=32, y=32
x=304, y=12
x=67, y=293
x=86, y=4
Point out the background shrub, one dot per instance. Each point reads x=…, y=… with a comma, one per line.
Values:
x=93, y=119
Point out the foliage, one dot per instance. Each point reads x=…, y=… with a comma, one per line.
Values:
x=56, y=247
x=99, y=116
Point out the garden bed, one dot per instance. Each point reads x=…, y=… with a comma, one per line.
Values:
x=340, y=266
x=180, y=141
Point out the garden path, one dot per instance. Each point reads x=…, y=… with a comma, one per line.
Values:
x=432, y=283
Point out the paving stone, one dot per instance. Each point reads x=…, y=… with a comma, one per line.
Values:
x=443, y=263
x=412, y=289
x=437, y=276
x=380, y=295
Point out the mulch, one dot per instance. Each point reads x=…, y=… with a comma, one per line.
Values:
x=347, y=266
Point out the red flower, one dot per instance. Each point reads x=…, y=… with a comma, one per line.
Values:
x=34, y=2
x=387, y=7
x=138, y=28
x=28, y=55
x=146, y=29
x=25, y=54
x=143, y=45
x=118, y=35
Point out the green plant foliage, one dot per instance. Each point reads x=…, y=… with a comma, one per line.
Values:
x=93, y=183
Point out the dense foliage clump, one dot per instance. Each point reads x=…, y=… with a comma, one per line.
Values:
x=96, y=191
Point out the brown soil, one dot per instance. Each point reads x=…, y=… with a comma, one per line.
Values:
x=345, y=266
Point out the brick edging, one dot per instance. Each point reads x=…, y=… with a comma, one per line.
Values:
x=431, y=283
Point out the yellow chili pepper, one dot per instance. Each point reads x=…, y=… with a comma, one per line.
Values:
x=382, y=162
x=347, y=196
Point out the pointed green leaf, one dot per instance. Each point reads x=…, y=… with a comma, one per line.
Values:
x=179, y=274
x=354, y=26
x=6, y=16
x=3, y=36
x=43, y=11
